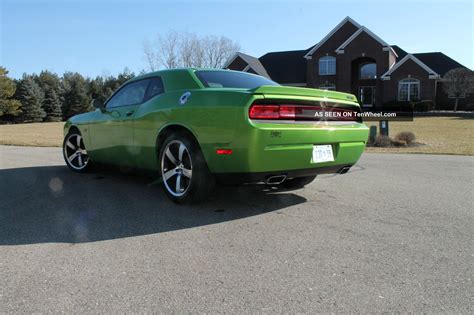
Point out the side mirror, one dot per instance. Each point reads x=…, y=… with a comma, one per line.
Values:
x=97, y=103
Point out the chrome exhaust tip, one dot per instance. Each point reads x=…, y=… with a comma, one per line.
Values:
x=275, y=180
x=344, y=170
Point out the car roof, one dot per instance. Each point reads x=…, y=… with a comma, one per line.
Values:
x=176, y=70
x=179, y=78
x=173, y=79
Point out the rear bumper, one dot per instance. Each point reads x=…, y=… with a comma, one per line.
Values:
x=257, y=177
x=272, y=148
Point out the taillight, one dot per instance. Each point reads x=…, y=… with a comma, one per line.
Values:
x=288, y=112
x=264, y=112
x=300, y=112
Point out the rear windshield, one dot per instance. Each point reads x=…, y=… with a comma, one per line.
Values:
x=231, y=79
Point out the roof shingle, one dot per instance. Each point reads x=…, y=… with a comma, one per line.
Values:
x=400, y=52
x=285, y=66
x=439, y=62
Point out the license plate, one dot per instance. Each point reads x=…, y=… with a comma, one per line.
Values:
x=322, y=153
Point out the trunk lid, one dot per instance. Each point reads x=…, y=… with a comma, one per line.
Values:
x=269, y=91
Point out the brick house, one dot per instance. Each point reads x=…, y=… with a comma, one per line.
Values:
x=351, y=58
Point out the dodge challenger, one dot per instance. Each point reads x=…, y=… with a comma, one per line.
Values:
x=196, y=127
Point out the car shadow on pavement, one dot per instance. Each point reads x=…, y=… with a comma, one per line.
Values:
x=52, y=204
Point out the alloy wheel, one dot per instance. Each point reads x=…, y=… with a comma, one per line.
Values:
x=75, y=152
x=176, y=168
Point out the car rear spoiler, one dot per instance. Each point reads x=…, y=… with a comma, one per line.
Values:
x=308, y=92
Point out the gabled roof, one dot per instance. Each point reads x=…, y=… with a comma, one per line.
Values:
x=252, y=62
x=334, y=30
x=340, y=49
x=433, y=74
x=439, y=62
x=400, y=52
x=285, y=66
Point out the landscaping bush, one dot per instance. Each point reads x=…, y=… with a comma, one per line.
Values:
x=423, y=106
x=399, y=143
x=469, y=107
x=407, y=136
x=382, y=141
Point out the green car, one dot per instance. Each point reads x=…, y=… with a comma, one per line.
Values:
x=197, y=127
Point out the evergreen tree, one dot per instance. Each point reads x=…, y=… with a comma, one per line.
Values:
x=52, y=104
x=31, y=97
x=9, y=107
x=111, y=83
x=76, y=97
x=96, y=89
x=125, y=76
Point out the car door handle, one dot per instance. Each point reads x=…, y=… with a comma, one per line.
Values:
x=129, y=113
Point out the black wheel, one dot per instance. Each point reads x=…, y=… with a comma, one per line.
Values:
x=186, y=177
x=75, y=153
x=298, y=182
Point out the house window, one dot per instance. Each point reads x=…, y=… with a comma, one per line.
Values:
x=327, y=65
x=409, y=90
x=368, y=71
x=327, y=87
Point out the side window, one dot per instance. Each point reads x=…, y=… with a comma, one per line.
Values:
x=155, y=88
x=130, y=94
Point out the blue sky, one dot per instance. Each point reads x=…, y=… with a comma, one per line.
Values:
x=98, y=37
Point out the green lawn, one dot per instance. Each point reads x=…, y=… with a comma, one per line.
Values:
x=440, y=135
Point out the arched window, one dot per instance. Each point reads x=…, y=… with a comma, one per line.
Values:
x=327, y=65
x=327, y=87
x=368, y=71
x=409, y=90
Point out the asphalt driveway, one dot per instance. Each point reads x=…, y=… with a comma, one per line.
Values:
x=394, y=234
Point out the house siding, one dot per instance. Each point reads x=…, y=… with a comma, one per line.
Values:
x=409, y=69
x=363, y=46
x=237, y=64
x=251, y=71
x=327, y=49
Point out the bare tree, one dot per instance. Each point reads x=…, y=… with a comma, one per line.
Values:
x=150, y=56
x=188, y=50
x=217, y=50
x=169, y=49
x=164, y=52
x=458, y=83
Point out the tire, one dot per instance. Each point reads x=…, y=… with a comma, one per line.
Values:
x=183, y=169
x=75, y=154
x=298, y=182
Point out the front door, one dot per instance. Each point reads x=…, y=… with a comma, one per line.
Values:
x=367, y=96
x=111, y=132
